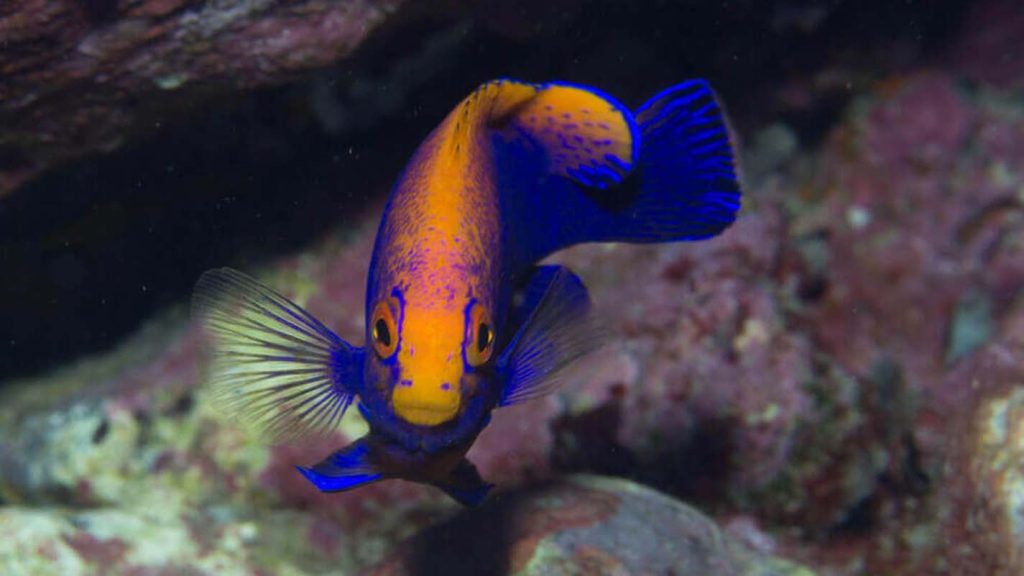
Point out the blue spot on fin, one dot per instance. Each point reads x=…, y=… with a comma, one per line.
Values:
x=275, y=367
x=347, y=468
x=557, y=328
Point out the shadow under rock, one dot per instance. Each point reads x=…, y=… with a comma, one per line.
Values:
x=474, y=541
x=693, y=466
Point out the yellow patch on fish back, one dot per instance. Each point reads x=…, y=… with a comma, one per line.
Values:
x=577, y=127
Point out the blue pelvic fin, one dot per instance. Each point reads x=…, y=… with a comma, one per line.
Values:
x=556, y=328
x=465, y=485
x=682, y=185
x=275, y=367
x=347, y=468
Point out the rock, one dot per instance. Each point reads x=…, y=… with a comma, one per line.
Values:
x=996, y=513
x=163, y=540
x=931, y=223
x=581, y=525
x=982, y=503
x=83, y=77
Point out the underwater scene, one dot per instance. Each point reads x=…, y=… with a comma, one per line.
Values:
x=563, y=287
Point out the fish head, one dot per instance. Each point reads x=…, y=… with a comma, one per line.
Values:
x=433, y=356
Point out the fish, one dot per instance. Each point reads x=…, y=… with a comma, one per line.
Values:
x=462, y=318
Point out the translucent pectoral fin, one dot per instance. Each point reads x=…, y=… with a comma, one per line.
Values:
x=275, y=367
x=558, y=329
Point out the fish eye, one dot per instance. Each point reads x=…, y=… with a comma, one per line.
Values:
x=383, y=331
x=480, y=335
x=484, y=337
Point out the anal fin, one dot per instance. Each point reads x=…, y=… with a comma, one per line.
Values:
x=465, y=485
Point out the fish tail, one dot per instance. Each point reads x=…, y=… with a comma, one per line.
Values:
x=684, y=186
x=576, y=166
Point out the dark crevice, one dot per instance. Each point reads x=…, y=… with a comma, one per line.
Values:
x=693, y=466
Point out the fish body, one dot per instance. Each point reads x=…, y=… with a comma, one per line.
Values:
x=460, y=317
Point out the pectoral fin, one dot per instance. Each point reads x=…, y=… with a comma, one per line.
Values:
x=558, y=329
x=275, y=367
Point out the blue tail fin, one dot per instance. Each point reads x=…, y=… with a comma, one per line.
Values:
x=686, y=183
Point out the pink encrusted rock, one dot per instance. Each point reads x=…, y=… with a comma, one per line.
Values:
x=914, y=202
x=515, y=449
x=922, y=223
x=699, y=351
x=82, y=77
x=923, y=124
x=983, y=498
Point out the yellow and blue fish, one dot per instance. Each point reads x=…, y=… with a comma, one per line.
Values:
x=460, y=317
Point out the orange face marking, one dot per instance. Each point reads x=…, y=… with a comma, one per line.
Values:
x=447, y=248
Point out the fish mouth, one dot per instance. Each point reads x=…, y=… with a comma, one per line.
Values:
x=426, y=405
